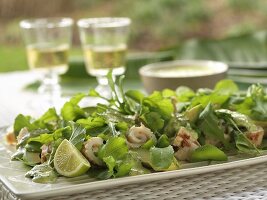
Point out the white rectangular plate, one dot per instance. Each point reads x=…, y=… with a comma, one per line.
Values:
x=12, y=176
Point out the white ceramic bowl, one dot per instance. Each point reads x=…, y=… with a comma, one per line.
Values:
x=192, y=73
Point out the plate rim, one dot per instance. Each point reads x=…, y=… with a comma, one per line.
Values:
x=115, y=182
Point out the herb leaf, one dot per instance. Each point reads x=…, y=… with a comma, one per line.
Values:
x=78, y=135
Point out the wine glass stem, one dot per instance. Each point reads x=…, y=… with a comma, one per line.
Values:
x=50, y=88
x=103, y=87
x=102, y=80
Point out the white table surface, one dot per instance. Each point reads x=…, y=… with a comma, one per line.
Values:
x=13, y=98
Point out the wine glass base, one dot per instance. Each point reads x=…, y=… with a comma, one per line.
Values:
x=41, y=104
x=50, y=92
x=91, y=102
x=104, y=90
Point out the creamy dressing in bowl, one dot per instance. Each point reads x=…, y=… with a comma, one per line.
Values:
x=191, y=73
x=183, y=69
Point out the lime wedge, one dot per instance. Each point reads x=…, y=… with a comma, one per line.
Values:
x=69, y=161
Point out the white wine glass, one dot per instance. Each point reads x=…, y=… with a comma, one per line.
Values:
x=48, y=42
x=104, y=42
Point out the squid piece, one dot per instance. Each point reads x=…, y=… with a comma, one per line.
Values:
x=137, y=136
x=186, y=141
x=91, y=147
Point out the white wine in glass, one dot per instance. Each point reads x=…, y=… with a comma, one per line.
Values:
x=104, y=42
x=48, y=57
x=100, y=59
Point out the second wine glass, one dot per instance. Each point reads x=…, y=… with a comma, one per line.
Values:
x=104, y=42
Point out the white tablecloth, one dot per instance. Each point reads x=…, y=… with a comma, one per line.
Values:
x=14, y=99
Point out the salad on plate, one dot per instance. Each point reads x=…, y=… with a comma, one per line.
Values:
x=132, y=133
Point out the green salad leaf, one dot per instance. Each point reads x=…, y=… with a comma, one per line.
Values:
x=161, y=158
x=220, y=95
x=113, y=153
x=209, y=125
x=46, y=138
x=157, y=103
x=184, y=93
x=244, y=145
x=163, y=141
x=259, y=96
x=238, y=121
x=31, y=134
x=22, y=121
x=153, y=120
x=33, y=146
x=71, y=111
x=158, y=159
x=115, y=147
x=111, y=163
x=48, y=120
x=123, y=168
x=93, y=125
x=135, y=95
x=226, y=87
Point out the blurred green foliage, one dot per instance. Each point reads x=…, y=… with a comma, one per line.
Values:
x=244, y=4
x=12, y=58
x=156, y=24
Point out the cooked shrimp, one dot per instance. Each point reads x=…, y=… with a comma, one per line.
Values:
x=11, y=138
x=138, y=136
x=91, y=147
x=46, y=150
